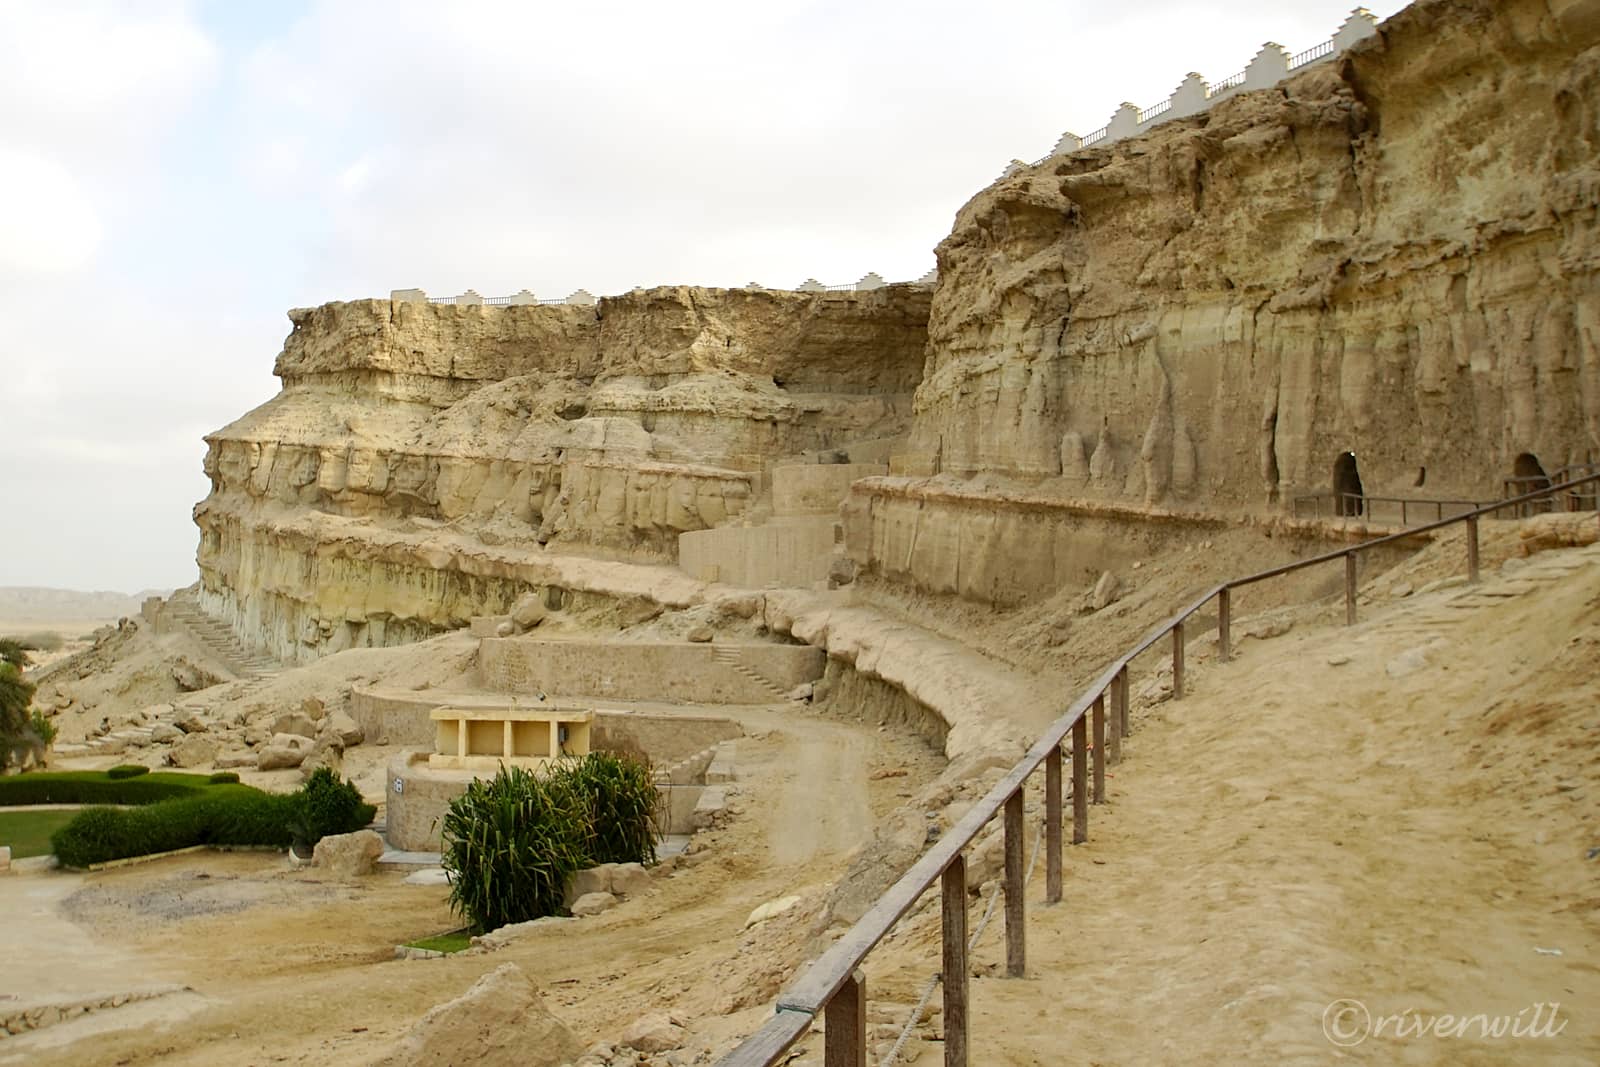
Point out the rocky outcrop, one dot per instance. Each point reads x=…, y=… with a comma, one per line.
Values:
x=527, y=428
x=1393, y=254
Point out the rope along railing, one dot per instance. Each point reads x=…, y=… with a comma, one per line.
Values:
x=834, y=988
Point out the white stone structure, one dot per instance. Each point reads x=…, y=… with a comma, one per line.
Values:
x=1193, y=95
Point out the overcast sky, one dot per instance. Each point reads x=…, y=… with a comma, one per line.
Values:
x=174, y=176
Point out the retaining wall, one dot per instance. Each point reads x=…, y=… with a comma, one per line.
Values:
x=680, y=672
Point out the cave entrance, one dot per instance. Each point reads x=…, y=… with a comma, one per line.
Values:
x=1528, y=476
x=1347, y=491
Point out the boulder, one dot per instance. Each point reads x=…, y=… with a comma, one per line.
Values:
x=771, y=910
x=230, y=760
x=592, y=904
x=327, y=752
x=500, y=1022
x=164, y=733
x=191, y=676
x=346, y=729
x=589, y=880
x=653, y=1033
x=314, y=708
x=428, y=876
x=191, y=723
x=1106, y=591
x=528, y=611
x=629, y=879
x=700, y=635
x=294, y=722
x=348, y=855
x=274, y=757
x=194, y=750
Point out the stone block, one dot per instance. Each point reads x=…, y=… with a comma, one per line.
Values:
x=592, y=904
x=589, y=880
x=294, y=722
x=194, y=751
x=348, y=855
x=629, y=879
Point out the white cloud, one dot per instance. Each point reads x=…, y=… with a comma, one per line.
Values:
x=48, y=223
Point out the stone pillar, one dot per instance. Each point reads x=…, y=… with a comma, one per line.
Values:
x=469, y=297
x=1125, y=123
x=870, y=280
x=524, y=296
x=1190, y=97
x=582, y=298
x=1268, y=68
x=1070, y=142
x=810, y=285
x=1358, y=27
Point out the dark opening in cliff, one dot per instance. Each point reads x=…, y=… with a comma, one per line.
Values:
x=1347, y=489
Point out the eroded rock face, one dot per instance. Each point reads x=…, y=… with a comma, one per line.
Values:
x=1392, y=254
x=521, y=427
x=501, y=1020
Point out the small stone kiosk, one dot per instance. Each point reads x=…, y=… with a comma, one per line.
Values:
x=483, y=738
x=474, y=741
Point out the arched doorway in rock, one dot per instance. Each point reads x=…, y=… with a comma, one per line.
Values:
x=1347, y=491
x=1529, y=473
x=1528, y=476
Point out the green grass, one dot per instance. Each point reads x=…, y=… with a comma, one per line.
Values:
x=28, y=832
x=454, y=941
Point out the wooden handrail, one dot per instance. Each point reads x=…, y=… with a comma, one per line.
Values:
x=809, y=995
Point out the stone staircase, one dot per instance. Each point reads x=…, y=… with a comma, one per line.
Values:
x=730, y=656
x=218, y=639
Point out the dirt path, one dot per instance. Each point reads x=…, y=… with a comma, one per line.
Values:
x=822, y=807
x=1400, y=814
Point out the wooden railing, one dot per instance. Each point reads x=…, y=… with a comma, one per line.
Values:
x=834, y=988
x=1346, y=505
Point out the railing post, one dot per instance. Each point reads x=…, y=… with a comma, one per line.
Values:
x=1403, y=511
x=1080, y=781
x=1121, y=699
x=1052, y=826
x=1472, y=549
x=1098, y=718
x=1016, y=889
x=844, y=1036
x=954, y=894
x=1113, y=728
x=1177, y=660
x=1349, y=588
x=1224, y=625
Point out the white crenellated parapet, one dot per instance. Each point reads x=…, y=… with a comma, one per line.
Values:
x=415, y=296
x=870, y=280
x=524, y=296
x=1269, y=67
x=469, y=298
x=810, y=285
x=755, y=287
x=582, y=298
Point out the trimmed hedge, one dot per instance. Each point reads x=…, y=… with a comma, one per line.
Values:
x=224, y=814
x=223, y=778
x=127, y=770
x=97, y=787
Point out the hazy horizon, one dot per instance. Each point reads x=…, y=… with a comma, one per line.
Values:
x=186, y=172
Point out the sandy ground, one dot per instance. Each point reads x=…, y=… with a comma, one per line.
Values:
x=286, y=967
x=1401, y=813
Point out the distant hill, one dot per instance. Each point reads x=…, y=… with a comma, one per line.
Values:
x=35, y=604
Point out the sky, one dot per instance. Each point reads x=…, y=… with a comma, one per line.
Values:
x=175, y=175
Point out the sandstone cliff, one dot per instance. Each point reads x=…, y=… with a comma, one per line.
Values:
x=609, y=429
x=1392, y=254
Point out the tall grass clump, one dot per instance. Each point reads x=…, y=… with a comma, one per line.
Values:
x=512, y=842
x=621, y=795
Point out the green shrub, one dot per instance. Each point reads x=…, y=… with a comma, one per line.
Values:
x=621, y=795
x=127, y=770
x=42, y=727
x=220, y=814
x=98, y=787
x=510, y=845
x=328, y=806
x=223, y=778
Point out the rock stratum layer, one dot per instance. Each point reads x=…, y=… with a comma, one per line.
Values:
x=1391, y=254
x=526, y=430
